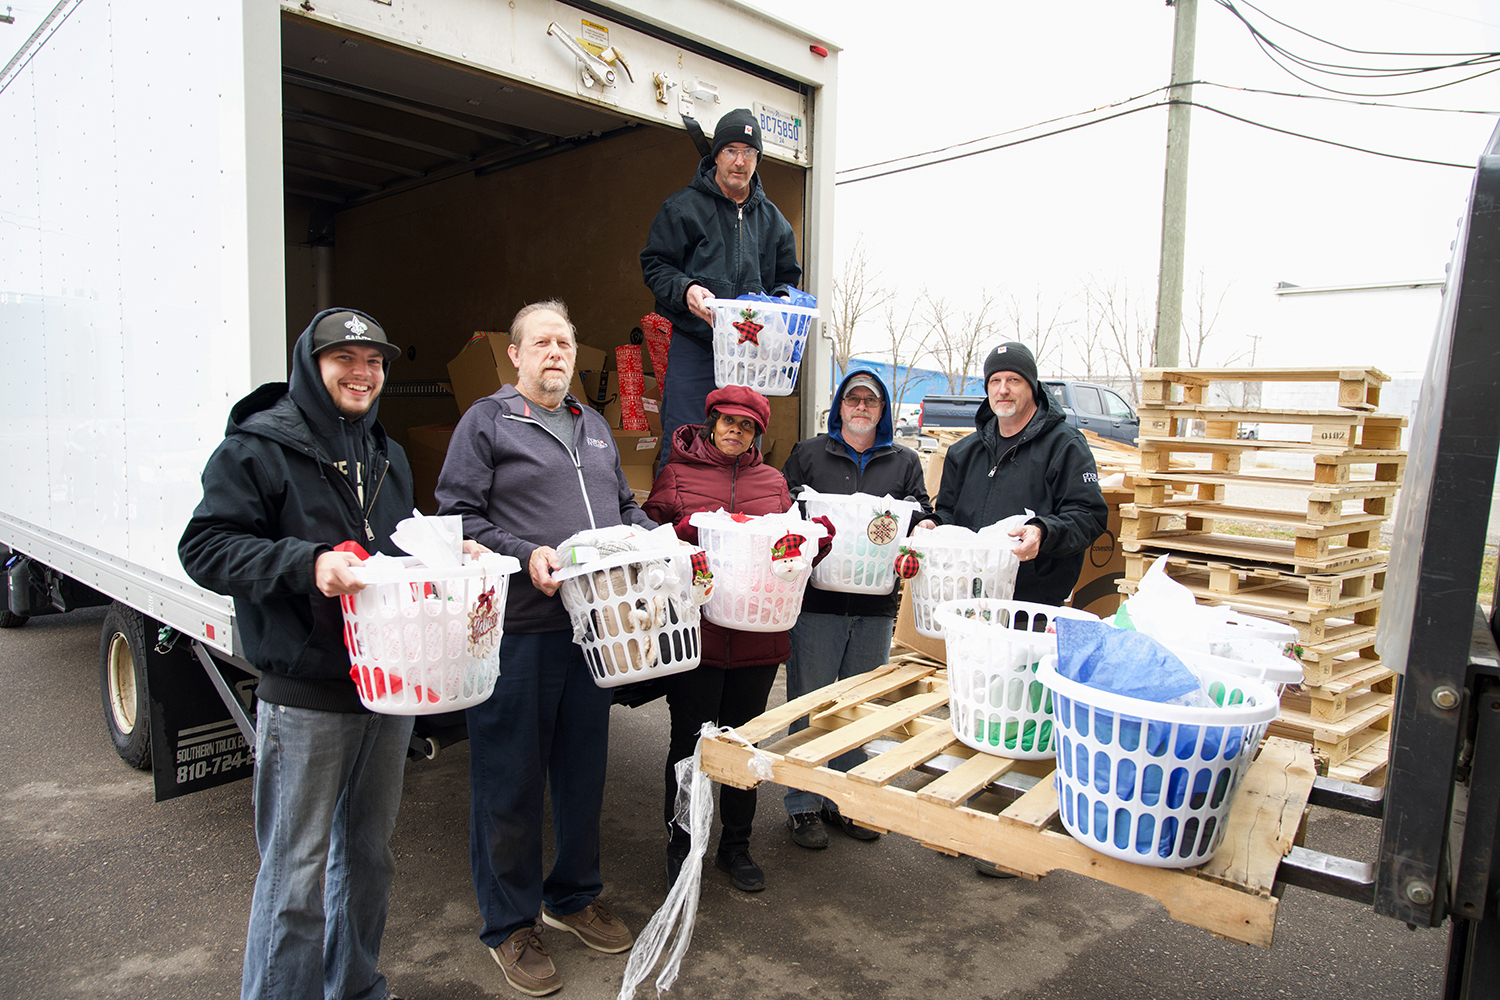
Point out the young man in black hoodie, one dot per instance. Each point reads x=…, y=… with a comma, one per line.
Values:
x=303, y=467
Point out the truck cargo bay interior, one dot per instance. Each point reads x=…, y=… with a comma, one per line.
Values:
x=441, y=199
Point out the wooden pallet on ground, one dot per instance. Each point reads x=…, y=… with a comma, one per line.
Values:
x=1344, y=696
x=1366, y=767
x=1231, y=896
x=1359, y=388
x=1327, y=430
x=1264, y=586
x=1340, y=740
x=1321, y=557
x=1325, y=501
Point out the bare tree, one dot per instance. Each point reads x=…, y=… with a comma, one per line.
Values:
x=1125, y=329
x=959, y=339
x=1040, y=327
x=1199, y=323
x=857, y=293
x=906, y=338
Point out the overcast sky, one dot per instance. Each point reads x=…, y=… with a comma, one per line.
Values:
x=1262, y=207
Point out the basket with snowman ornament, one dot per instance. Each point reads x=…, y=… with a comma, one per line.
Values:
x=761, y=566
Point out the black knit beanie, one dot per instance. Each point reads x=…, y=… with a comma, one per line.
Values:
x=1012, y=356
x=738, y=125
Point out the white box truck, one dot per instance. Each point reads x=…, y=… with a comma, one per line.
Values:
x=185, y=188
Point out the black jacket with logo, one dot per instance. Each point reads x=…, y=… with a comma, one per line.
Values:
x=277, y=493
x=701, y=237
x=1048, y=469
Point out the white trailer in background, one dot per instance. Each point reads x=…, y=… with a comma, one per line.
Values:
x=185, y=188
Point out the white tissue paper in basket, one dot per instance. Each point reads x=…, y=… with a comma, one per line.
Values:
x=437, y=541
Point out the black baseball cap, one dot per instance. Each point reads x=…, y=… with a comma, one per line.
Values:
x=345, y=326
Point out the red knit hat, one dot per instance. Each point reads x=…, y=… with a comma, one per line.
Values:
x=741, y=401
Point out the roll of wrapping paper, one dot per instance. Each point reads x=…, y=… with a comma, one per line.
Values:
x=658, y=339
x=632, y=387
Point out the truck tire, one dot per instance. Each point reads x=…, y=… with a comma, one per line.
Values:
x=122, y=684
x=9, y=619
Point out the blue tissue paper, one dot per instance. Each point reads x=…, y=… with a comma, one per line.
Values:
x=1120, y=661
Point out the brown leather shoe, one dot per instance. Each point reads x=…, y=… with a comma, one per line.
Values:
x=595, y=926
x=523, y=959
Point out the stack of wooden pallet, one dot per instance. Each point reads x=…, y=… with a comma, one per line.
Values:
x=1294, y=551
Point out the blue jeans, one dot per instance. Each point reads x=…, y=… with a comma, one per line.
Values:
x=690, y=378
x=825, y=649
x=547, y=722
x=327, y=787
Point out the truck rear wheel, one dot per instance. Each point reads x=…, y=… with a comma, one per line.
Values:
x=9, y=619
x=122, y=683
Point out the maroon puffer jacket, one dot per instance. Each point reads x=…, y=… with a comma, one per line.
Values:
x=701, y=477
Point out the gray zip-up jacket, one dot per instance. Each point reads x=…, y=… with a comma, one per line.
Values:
x=519, y=487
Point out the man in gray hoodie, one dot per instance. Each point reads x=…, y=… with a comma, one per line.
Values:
x=528, y=467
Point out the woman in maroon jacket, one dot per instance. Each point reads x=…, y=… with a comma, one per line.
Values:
x=717, y=465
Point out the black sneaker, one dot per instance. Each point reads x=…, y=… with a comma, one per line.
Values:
x=807, y=831
x=745, y=874
x=837, y=820
x=674, y=865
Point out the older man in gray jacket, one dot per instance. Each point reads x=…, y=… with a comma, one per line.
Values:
x=527, y=467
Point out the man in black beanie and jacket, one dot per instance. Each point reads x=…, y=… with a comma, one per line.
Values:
x=304, y=467
x=719, y=237
x=1024, y=456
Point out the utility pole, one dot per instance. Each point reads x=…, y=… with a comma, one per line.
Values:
x=1174, y=194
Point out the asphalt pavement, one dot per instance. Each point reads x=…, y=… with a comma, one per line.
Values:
x=110, y=895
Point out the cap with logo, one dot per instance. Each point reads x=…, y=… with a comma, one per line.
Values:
x=739, y=125
x=348, y=327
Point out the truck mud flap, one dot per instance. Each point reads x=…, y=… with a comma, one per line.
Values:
x=202, y=729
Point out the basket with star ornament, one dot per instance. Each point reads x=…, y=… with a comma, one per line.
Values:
x=868, y=534
x=760, y=567
x=759, y=343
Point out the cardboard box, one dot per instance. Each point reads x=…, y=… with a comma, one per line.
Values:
x=483, y=366
x=426, y=447
x=907, y=635
x=638, y=457
x=1097, y=590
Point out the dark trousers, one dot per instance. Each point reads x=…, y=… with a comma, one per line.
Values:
x=546, y=722
x=723, y=697
x=690, y=378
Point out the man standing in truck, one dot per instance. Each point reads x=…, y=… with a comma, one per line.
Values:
x=1024, y=456
x=528, y=467
x=304, y=467
x=719, y=237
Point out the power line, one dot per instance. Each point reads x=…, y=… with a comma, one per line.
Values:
x=1340, y=100
x=1362, y=52
x=996, y=135
x=1122, y=114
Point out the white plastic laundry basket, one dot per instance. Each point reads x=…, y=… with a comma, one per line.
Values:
x=423, y=641
x=957, y=570
x=747, y=595
x=759, y=344
x=1236, y=625
x=1153, y=783
x=633, y=614
x=995, y=702
x=1265, y=665
x=868, y=534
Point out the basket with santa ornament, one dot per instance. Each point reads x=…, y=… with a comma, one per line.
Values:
x=760, y=565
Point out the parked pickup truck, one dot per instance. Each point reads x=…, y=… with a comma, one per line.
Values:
x=1087, y=406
